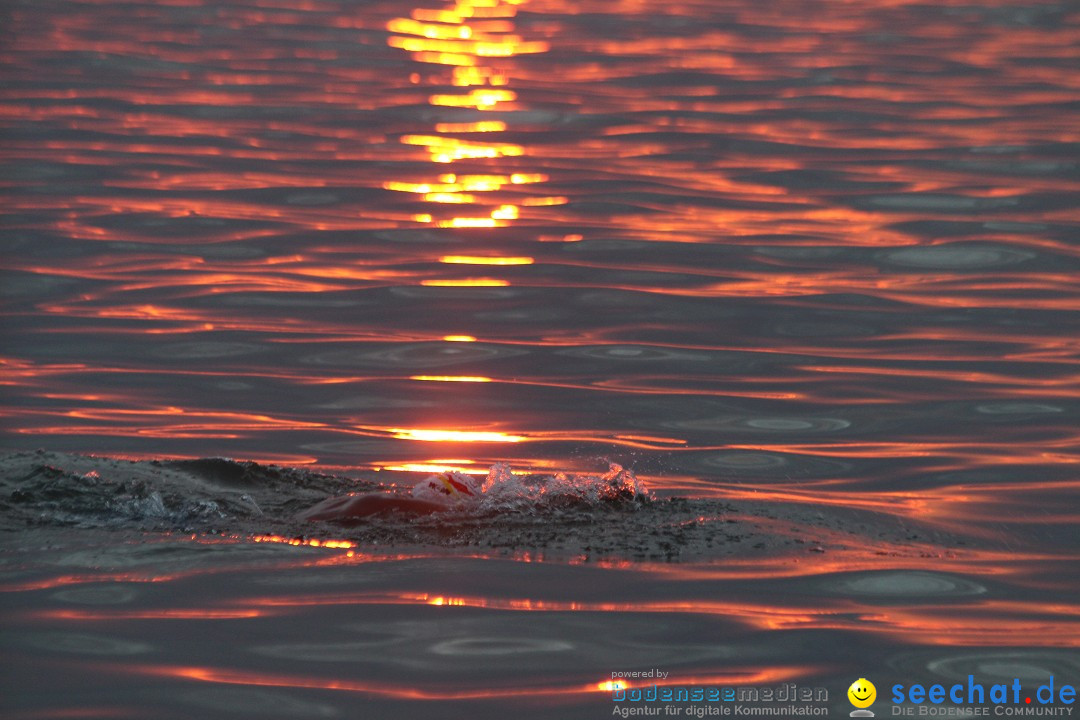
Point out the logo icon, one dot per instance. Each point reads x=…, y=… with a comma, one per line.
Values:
x=862, y=694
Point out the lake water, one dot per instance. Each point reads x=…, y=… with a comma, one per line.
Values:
x=808, y=267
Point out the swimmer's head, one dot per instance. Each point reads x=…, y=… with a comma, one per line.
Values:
x=453, y=483
x=447, y=486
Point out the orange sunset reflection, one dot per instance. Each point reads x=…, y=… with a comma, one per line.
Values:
x=473, y=40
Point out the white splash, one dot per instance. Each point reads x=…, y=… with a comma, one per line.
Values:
x=502, y=489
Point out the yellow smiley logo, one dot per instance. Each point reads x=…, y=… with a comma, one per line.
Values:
x=862, y=693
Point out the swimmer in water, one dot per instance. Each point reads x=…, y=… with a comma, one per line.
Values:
x=443, y=491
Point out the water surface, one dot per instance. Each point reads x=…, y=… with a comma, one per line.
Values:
x=812, y=262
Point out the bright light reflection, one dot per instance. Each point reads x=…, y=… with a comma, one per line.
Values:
x=434, y=468
x=479, y=99
x=485, y=126
x=485, y=260
x=465, y=222
x=466, y=282
x=454, y=435
x=308, y=542
x=473, y=38
x=505, y=212
x=450, y=198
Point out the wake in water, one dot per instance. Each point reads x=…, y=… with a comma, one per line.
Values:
x=605, y=514
x=611, y=514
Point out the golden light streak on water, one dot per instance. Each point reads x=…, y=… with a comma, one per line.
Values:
x=428, y=30
x=545, y=201
x=465, y=282
x=445, y=58
x=470, y=46
x=485, y=260
x=435, y=467
x=446, y=150
x=450, y=198
x=309, y=542
x=479, y=99
x=471, y=222
x=473, y=127
x=433, y=435
x=505, y=212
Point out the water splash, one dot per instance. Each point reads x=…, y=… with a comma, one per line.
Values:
x=503, y=490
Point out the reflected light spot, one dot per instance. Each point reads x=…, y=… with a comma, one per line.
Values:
x=444, y=58
x=478, y=183
x=454, y=435
x=469, y=223
x=466, y=282
x=545, y=201
x=451, y=378
x=453, y=198
x=505, y=212
x=407, y=187
x=434, y=468
x=561, y=238
x=447, y=149
x=479, y=99
x=414, y=27
x=309, y=542
x=484, y=126
x=473, y=75
x=450, y=17
x=481, y=260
